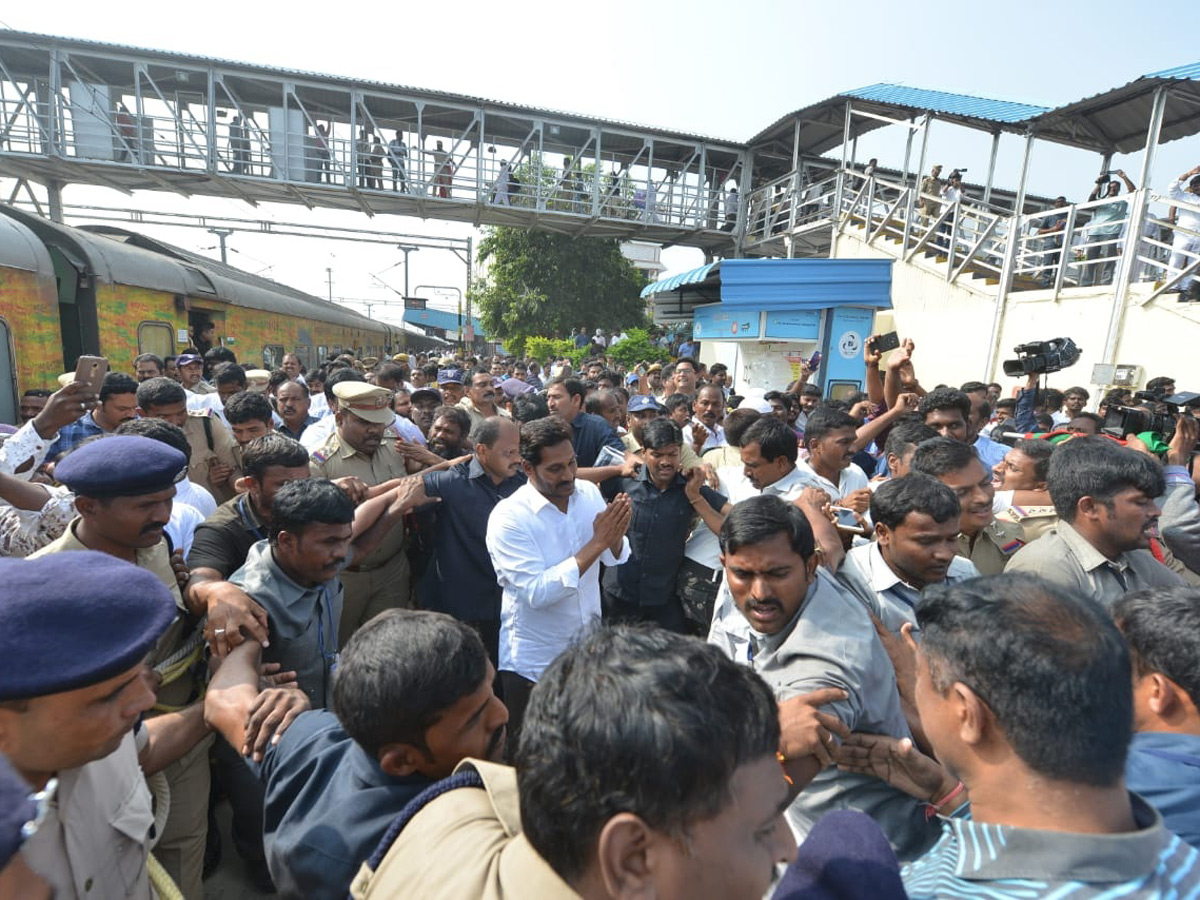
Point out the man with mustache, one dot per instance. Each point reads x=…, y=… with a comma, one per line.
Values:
x=448, y=433
x=123, y=487
x=412, y=698
x=1104, y=495
x=786, y=617
x=460, y=579
x=982, y=539
x=545, y=542
x=378, y=580
x=480, y=401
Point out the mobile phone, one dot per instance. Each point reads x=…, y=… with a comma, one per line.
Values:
x=814, y=361
x=886, y=342
x=846, y=518
x=91, y=370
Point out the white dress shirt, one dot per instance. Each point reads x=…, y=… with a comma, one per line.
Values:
x=22, y=446
x=195, y=496
x=851, y=479
x=703, y=546
x=182, y=525
x=716, y=436
x=546, y=601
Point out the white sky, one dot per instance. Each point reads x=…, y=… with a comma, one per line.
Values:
x=703, y=66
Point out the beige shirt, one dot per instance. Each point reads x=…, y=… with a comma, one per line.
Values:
x=994, y=546
x=203, y=455
x=468, y=406
x=466, y=843
x=336, y=459
x=96, y=835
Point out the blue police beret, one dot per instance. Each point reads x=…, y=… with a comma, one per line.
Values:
x=643, y=402
x=450, y=376
x=16, y=808
x=122, y=465
x=69, y=620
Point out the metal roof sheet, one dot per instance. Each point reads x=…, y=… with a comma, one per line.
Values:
x=791, y=284
x=678, y=280
x=1188, y=70
x=966, y=106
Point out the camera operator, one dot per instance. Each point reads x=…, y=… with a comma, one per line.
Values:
x=1179, y=524
x=1105, y=228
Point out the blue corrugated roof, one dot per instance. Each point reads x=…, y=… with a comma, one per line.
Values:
x=671, y=282
x=1190, y=71
x=437, y=318
x=950, y=104
x=805, y=283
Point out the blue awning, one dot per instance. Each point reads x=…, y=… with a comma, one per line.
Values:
x=674, y=282
x=791, y=284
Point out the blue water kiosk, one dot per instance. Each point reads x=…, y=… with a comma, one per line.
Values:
x=763, y=317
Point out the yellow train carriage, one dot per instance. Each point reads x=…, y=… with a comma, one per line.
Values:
x=101, y=290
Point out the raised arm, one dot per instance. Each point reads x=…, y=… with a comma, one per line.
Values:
x=867, y=432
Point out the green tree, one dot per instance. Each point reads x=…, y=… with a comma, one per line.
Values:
x=546, y=284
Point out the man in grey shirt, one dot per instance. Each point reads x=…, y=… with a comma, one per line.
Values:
x=916, y=544
x=779, y=613
x=1104, y=495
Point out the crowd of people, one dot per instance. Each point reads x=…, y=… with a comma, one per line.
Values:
x=447, y=627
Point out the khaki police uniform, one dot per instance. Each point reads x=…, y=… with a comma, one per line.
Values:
x=466, y=843
x=994, y=546
x=1034, y=520
x=202, y=387
x=181, y=847
x=467, y=405
x=95, y=838
x=210, y=440
x=380, y=580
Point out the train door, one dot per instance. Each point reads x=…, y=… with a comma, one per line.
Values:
x=199, y=319
x=78, y=325
x=8, y=376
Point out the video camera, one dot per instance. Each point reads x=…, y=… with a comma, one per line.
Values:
x=1159, y=420
x=1042, y=357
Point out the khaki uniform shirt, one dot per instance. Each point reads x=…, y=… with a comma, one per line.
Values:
x=1034, y=520
x=466, y=843
x=96, y=835
x=687, y=456
x=157, y=560
x=222, y=449
x=994, y=546
x=469, y=407
x=202, y=387
x=337, y=459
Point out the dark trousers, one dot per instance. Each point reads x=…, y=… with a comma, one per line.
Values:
x=668, y=615
x=245, y=794
x=516, y=697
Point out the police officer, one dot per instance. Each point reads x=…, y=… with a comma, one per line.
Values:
x=123, y=488
x=71, y=728
x=380, y=580
x=214, y=465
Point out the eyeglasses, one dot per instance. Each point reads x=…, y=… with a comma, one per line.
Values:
x=41, y=801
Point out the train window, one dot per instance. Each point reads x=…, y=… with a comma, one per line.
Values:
x=272, y=356
x=157, y=338
x=322, y=352
x=304, y=354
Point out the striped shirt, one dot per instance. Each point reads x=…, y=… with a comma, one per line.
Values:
x=974, y=859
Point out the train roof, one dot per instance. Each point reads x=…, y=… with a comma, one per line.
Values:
x=21, y=249
x=118, y=256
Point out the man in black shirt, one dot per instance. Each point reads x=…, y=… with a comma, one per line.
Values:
x=665, y=503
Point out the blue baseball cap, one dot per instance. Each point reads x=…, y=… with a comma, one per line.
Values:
x=643, y=402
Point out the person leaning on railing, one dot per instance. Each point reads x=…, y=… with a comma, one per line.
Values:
x=1185, y=245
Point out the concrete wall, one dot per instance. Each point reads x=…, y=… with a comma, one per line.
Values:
x=951, y=325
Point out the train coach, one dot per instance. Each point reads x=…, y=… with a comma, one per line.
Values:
x=110, y=292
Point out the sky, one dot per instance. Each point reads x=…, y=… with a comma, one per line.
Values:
x=706, y=67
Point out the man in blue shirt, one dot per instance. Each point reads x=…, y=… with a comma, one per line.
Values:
x=460, y=579
x=337, y=779
x=1162, y=628
x=665, y=504
x=589, y=433
x=118, y=403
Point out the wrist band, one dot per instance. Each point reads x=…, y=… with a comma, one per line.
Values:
x=932, y=808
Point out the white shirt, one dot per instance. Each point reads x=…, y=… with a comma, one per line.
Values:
x=851, y=479
x=546, y=601
x=195, y=496
x=716, y=435
x=318, y=406
x=1184, y=218
x=182, y=525
x=22, y=446
x=702, y=546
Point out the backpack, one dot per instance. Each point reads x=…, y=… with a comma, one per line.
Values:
x=514, y=183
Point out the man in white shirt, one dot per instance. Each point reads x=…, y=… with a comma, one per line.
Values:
x=769, y=453
x=545, y=541
x=916, y=544
x=704, y=432
x=1186, y=244
x=829, y=437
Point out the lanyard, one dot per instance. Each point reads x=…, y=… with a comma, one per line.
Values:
x=332, y=659
x=246, y=520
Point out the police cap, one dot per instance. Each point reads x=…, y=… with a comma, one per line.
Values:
x=367, y=401
x=69, y=620
x=121, y=465
x=643, y=402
